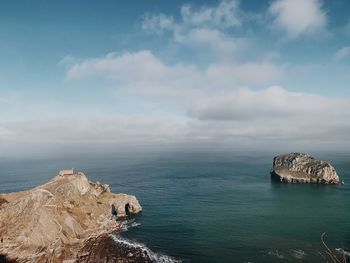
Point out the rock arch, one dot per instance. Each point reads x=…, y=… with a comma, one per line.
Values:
x=130, y=205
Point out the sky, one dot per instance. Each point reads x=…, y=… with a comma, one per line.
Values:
x=79, y=76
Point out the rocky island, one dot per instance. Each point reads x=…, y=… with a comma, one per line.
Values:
x=303, y=168
x=69, y=219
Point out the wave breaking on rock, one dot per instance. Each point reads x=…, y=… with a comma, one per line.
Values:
x=147, y=255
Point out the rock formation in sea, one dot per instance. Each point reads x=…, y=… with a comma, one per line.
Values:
x=57, y=221
x=303, y=168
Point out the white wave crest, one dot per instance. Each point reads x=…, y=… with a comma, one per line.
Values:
x=276, y=253
x=126, y=224
x=156, y=257
x=135, y=224
x=342, y=251
x=298, y=253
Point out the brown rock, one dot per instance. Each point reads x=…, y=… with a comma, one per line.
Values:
x=51, y=222
x=303, y=168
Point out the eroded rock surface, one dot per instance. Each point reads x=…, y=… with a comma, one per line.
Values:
x=52, y=222
x=106, y=250
x=303, y=168
x=111, y=248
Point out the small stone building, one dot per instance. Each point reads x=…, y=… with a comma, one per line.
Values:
x=66, y=172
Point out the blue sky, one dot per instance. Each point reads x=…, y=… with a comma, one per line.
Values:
x=238, y=74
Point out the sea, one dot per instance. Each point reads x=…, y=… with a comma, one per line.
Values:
x=203, y=206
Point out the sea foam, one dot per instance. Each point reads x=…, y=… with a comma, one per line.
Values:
x=155, y=257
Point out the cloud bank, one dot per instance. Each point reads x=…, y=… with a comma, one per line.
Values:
x=220, y=109
x=243, y=119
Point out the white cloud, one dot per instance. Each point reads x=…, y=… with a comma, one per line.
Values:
x=157, y=23
x=144, y=73
x=140, y=72
x=272, y=103
x=258, y=73
x=224, y=15
x=240, y=119
x=201, y=27
x=298, y=17
x=272, y=116
x=127, y=66
x=342, y=53
x=219, y=110
x=214, y=40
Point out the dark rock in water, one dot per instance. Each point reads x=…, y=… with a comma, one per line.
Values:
x=303, y=168
x=109, y=248
x=104, y=249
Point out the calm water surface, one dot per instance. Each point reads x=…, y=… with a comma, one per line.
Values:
x=212, y=207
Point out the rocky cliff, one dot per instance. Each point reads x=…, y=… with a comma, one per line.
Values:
x=303, y=168
x=56, y=221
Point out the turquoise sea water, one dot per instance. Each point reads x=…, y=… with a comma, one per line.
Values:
x=212, y=207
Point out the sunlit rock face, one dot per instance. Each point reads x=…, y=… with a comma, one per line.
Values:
x=303, y=168
x=51, y=222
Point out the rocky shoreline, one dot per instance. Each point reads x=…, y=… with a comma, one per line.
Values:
x=110, y=248
x=69, y=219
x=303, y=168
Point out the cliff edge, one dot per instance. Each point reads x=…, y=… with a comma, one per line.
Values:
x=53, y=222
x=303, y=168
